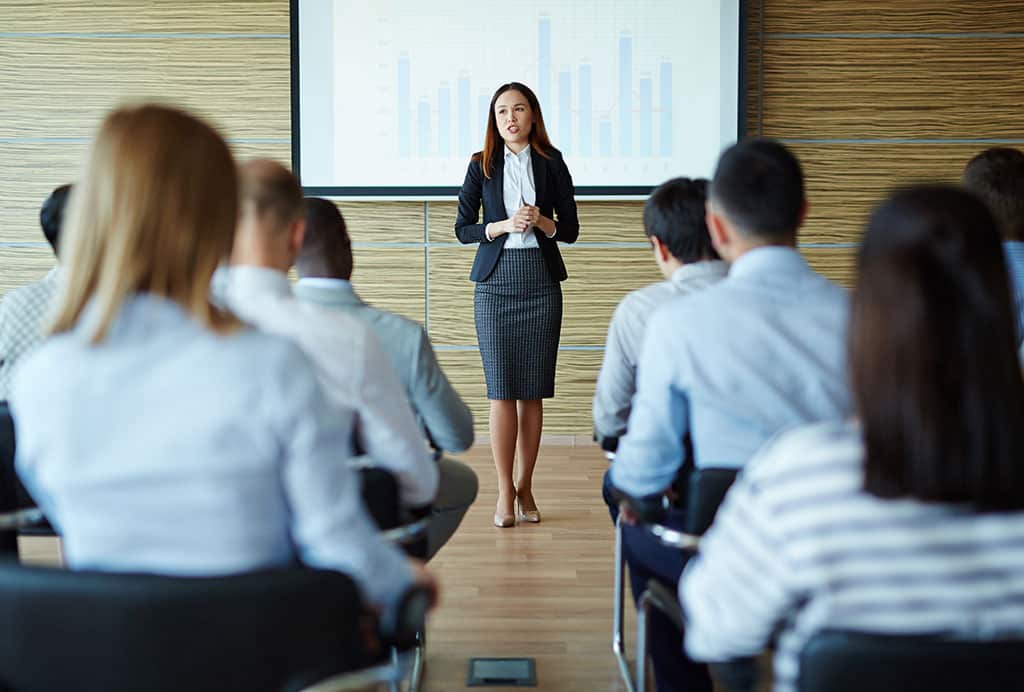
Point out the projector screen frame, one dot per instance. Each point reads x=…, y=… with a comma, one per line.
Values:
x=442, y=193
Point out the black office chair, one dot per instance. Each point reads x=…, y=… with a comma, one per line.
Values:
x=703, y=490
x=840, y=661
x=278, y=630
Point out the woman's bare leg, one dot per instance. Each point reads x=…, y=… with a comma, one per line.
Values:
x=504, y=428
x=531, y=421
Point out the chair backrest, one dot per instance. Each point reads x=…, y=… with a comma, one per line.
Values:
x=705, y=490
x=836, y=661
x=8, y=484
x=98, y=632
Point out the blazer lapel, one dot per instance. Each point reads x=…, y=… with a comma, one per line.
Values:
x=499, y=186
x=540, y=180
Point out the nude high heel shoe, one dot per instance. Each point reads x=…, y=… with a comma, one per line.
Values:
x=504, y=521
x=531, y=516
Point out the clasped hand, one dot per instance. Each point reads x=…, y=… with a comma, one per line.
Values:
x=525, y=218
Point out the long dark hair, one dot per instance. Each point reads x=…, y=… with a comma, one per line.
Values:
x=493, y=142
x=933, y=359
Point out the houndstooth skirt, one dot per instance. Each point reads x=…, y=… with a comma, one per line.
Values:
x=518, y=312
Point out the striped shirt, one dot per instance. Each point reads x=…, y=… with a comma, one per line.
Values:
x=798, y=546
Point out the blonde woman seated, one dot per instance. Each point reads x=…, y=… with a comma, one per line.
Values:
x=911, y=520
x=158, y=433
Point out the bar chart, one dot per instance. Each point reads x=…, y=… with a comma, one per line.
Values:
x=638, y=123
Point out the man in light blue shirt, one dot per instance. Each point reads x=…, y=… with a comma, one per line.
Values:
x=730, y=366
x=996, y=175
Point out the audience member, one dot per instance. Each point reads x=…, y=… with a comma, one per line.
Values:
x=675, y=226
x=156, y=432
x=24, y=310
x=350, y=361
x=729, y=366
x=997, y=176
x=324, y=266
x=909, y=520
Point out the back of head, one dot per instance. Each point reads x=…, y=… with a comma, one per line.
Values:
x=997, y=177
x=51, y=215
x=326, y=248
x=932, y=354
x=675, y=215
x=759, y=186
x=155, y=213
x=269, y=194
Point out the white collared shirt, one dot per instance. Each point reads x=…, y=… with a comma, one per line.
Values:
x=518, y=189
x=168, y=448
x=353, y=368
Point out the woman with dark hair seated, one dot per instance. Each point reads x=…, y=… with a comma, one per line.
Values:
x=909, y=520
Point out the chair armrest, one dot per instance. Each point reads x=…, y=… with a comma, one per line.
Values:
x=12, y=521
x=407, y=533
x=671, y=538
x=662, y=598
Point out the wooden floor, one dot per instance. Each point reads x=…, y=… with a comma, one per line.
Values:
x=543, y=590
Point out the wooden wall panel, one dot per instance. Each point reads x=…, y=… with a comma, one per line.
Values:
x=846, y=181
x=873, y=88
x=838, y=264
x=451, y=296
x=28, y=173
x=598, y=279
x=146, y=16
x=375, y=222
x=240, y=85
x=392, y=279
x=442, y=222
x=877, y=16
x=568, y=412
x=22, y=265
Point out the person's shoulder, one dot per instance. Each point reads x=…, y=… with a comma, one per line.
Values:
x=796, y=453
x=33, y=296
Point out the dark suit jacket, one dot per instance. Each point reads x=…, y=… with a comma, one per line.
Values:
x=555, y=199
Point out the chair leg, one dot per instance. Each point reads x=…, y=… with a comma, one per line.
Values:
x=618, y=625
x=642, y=611
x=416, y=676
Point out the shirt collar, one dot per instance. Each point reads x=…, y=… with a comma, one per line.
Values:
x=696, y=270
x=326, y=282
x=247, y=280
x=769, y=260
x=522, y=156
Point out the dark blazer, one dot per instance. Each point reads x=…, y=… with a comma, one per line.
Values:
x=555, y=199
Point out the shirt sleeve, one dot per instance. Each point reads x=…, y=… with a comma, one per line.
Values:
x=616, y=382
x=740, y=587
x=444, y=413
x=329, y=524
x=387, y=428
x=650, y=454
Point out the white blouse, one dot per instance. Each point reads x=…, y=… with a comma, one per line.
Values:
x=519, y=189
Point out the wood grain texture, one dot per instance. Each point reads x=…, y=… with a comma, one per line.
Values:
x=23, y=265
x=836, y=264
x=392, y=279
x=905, y=88
x=598, y=279
x=384, y=222
x=754, y=76
x=145, y=16
x=876, y=16
x=63, y=87
x=568, y=412
x=442, y=222
x=846, y=181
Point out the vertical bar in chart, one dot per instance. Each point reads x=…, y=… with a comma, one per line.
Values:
x=625, y=95
x=585, y=107
x=605, y=137
x=646, y=125
x=665, y=133
x=565, y=110
x=483, y=103
x=444, y=120
x=544, y=62
x=404, y=107
x=465, y=117
x=423, y=121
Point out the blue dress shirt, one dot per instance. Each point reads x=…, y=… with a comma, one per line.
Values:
x=170, y=449
x=732, y=365
x=1014, y=251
